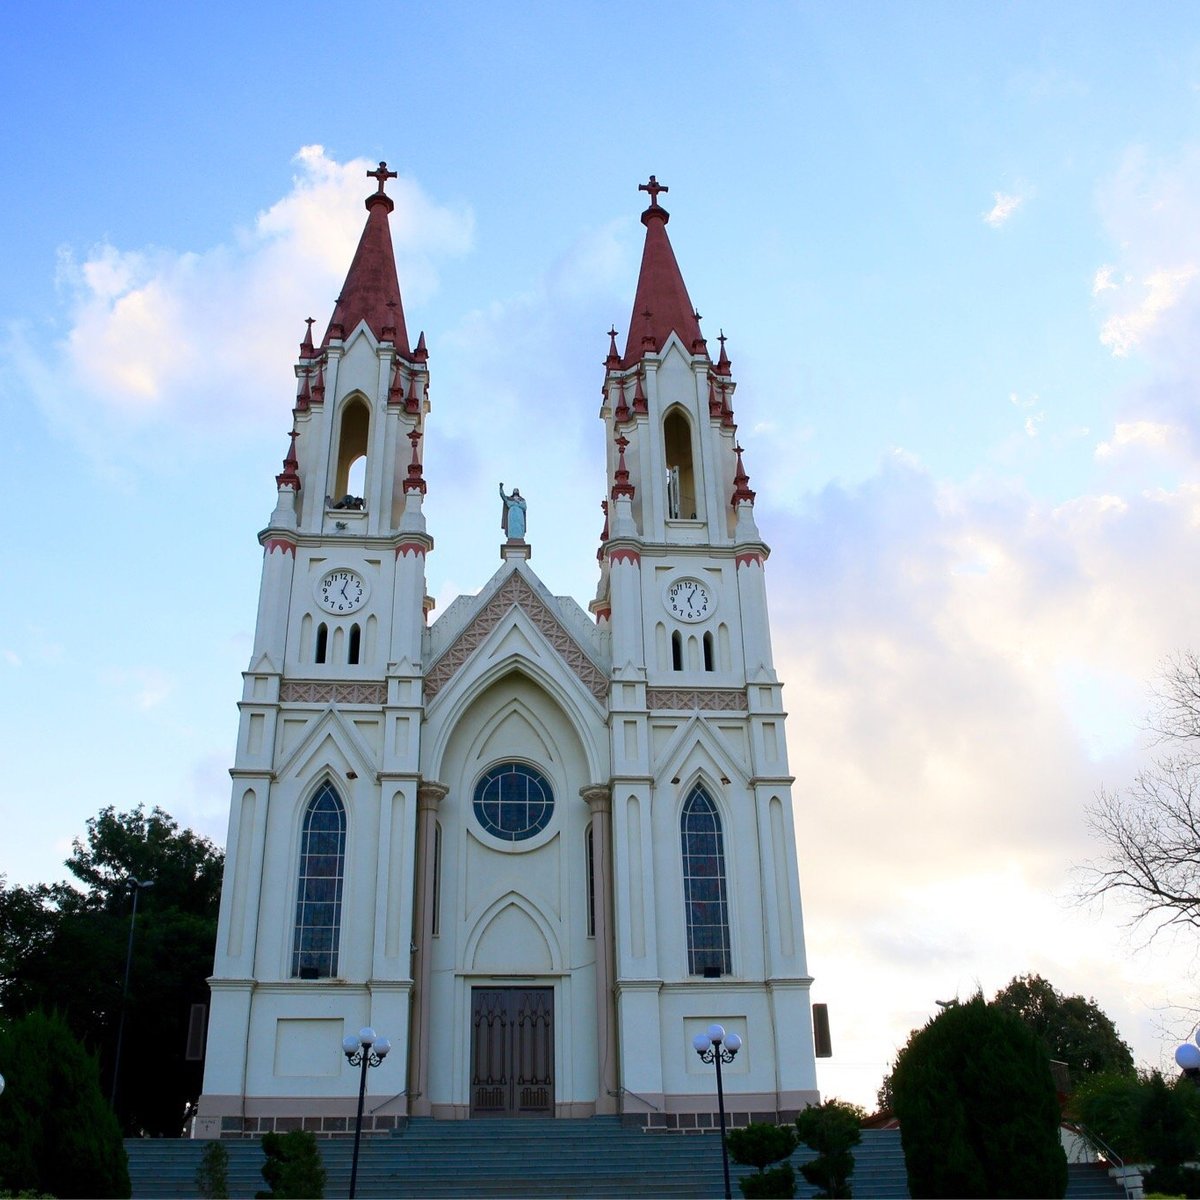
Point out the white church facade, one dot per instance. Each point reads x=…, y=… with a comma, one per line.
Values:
x=539, y=848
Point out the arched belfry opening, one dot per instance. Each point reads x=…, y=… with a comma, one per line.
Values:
x=353, y=431
x=681, y=476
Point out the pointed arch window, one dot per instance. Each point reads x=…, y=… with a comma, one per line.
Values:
x=319, y=895
x=355, y=428
x=705, y=898
x=681, y=476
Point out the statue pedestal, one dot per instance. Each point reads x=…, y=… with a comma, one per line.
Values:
x=516, y=548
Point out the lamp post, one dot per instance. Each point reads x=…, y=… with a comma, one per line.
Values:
x=716, y=1046
x=136, y=886
x=1187, y=1058
x=365, y=1050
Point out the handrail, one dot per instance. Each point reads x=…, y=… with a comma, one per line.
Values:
x=624, y=1091
x=1106, y=1152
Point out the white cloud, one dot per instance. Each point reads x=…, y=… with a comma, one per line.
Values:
x=1145, y=435
x=1163, y=290
x=1103, y=280
x=1006, y=203
x=199, y=336
x=966, y=667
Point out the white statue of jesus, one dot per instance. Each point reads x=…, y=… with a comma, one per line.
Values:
x=512, y=515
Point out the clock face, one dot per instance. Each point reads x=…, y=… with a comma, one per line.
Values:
x=341, y=591
x=689, y=600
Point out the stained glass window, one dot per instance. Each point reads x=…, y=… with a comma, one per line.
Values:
x=704, y=896
x=319, y=896
x=513, y=801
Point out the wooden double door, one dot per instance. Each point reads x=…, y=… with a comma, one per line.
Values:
x=512, y=1052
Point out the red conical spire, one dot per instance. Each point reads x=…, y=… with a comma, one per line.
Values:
x=416, y=477
x=662, y=305
x=306, y=346
x=289, y=477
x=614, y=359
x=741, y=481
x=371, y=292
x=305, y=397
x=622, y=486
x=723, y=363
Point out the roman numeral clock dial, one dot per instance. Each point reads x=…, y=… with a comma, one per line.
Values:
x=689, y=600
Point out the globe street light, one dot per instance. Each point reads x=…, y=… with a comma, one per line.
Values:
x=365, y=1050
x=716, y=1046
x=1187, y=1058
x=136, y=886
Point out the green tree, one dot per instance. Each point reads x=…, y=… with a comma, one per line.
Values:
x=212, y=1175
x=57, y=1133
x=759, y=1145
x=63, y=947
x=1143, y=1118
x=977, y=1107
x=832, y=1129
x=1073, y=1030
x=293, y=1166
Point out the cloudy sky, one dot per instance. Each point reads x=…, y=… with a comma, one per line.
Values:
x=954, y=247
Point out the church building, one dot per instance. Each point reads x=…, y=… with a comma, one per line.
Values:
x=539, y=848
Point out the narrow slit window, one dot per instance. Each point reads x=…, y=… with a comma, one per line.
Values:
x=676, y=651
x=322, y=642
x=708, y=652
x=436, y=899
x=356, y=643
x=589, y=847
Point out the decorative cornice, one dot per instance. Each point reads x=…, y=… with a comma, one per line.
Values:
x=624, y=554
x=320, y=691
x=417, y=549
x=279, y=543
x=515, y=592
x=750, y=556
x=703, y=699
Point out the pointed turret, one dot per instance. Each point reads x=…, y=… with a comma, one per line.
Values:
x=371, y=292
x=662, y=305
x=306, y=347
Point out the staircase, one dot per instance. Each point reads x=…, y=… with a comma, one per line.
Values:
x=559, y=1158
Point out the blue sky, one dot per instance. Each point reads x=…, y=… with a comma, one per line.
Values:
x=955, y=250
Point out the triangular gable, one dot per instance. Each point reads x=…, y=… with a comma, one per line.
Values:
x=695, y=745
x=515, y=591
x=332, y=726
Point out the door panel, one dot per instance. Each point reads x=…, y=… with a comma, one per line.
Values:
x=512, y=1052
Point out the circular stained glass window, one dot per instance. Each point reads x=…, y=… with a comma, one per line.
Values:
x=513, y=801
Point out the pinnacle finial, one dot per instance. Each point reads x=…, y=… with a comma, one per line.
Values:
x=289, y=477
x=416, y=476
x=741, y=481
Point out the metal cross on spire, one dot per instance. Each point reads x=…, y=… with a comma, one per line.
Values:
x=653, y=187
x=383, y=174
